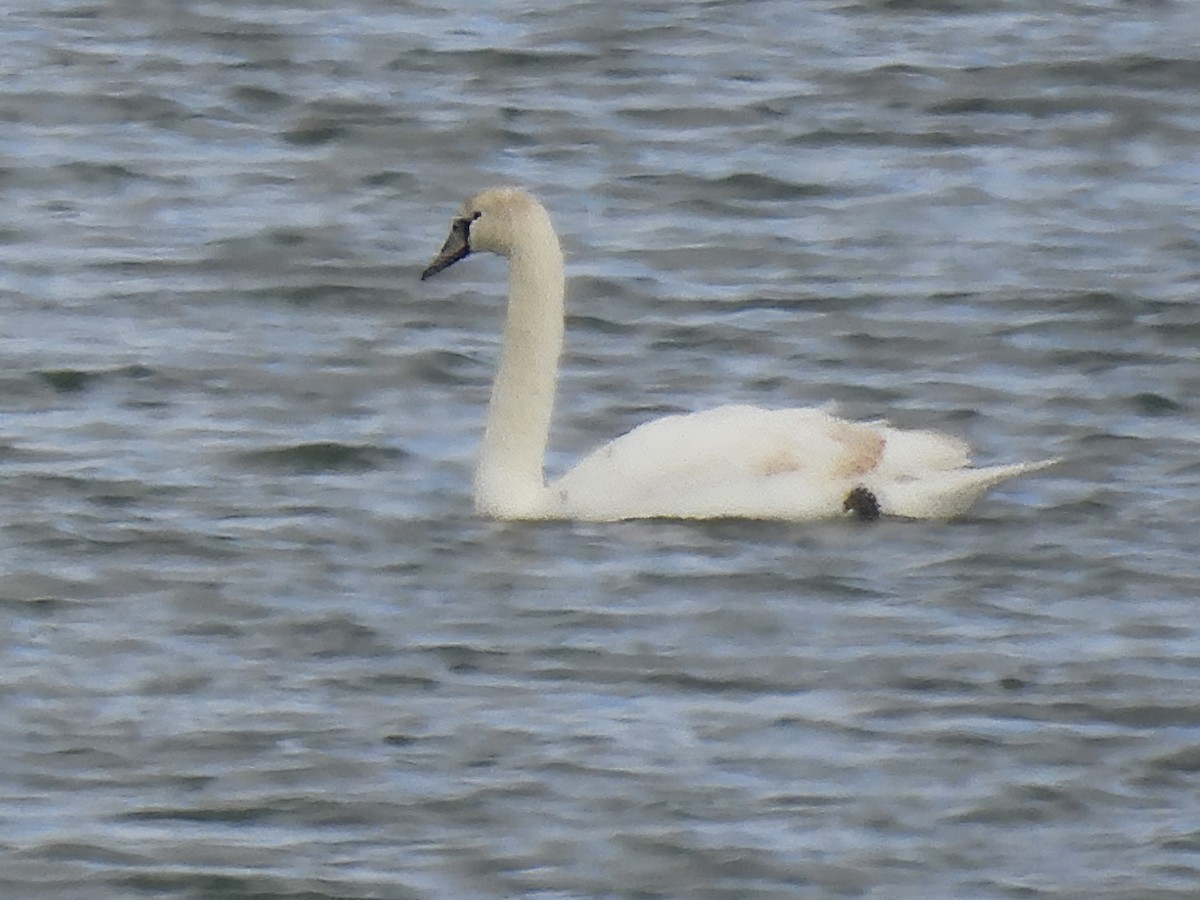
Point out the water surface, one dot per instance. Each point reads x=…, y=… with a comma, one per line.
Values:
x=257, y=644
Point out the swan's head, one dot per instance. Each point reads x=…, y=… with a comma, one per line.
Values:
x=494, y=220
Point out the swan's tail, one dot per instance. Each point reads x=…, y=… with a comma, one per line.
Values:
x=941, y=495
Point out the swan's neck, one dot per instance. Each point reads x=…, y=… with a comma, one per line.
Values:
x=509, y=481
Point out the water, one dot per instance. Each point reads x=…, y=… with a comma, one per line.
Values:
x=256, y=644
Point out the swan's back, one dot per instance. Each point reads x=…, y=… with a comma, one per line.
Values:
x=743, y=461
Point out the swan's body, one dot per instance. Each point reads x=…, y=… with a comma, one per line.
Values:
x=731, y=461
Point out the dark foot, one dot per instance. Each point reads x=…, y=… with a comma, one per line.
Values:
x=862, y=504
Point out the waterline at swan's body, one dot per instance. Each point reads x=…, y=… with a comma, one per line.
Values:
x=731, y=461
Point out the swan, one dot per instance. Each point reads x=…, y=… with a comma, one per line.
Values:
x=731, y=461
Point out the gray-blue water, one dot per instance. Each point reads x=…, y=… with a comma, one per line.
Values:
x=255, y=643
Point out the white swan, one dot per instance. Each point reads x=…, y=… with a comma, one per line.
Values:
x=732, y=461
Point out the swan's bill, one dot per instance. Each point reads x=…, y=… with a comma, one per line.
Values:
x=456, y=247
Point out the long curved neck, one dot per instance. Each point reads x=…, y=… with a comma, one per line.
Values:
x=509, y=479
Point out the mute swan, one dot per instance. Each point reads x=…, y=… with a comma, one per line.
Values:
x=732, y=461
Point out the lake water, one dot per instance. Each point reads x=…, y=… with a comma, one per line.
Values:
x=257, y=645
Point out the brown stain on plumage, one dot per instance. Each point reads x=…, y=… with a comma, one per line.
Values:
x=861, y=449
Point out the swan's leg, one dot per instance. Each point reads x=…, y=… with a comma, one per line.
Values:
x=862, y=504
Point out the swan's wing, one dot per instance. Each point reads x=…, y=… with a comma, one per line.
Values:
x=945, y=493
x=926, y=475
x=742, y=461
x=728, y=461
x=912, y=453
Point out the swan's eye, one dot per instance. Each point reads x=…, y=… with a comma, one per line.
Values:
x=476, y=215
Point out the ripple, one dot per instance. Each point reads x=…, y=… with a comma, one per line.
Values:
x=259, y=645
x=321, y=456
